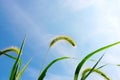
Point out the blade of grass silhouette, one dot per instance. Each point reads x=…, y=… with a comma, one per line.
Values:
x=102, y=66
x=78, y=69
x=10, y=49
x=56, y=39
x=44, y=60
x=23, y=69
x=83, y=78
x=16, y=70
x=12, y=57
x=99, y=66
x=96, y=71
x=43, y=74
x=13, y=72
x=62, y=37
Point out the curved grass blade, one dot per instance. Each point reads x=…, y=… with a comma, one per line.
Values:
x=22, y=71
x=10, y=49
x=44, y=60
x=43, y=74
x=13, y=72
x=99, y=66
x=83, y=78
x=97, y=71
x=66, y=38
x=102, y=66
x=12, y=57
x=78, y=69
x=56, y=39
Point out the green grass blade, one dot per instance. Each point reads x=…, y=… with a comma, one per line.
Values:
x=96, y=71
x=78, y=69
x=16, y=71
x=56, y=39
x=13, y=72
x=43, y=74
x=99, y=66
x=44, y=60
x=102, y=66
x=83, y=78
x=10, y=49
x=66, y=38
x=22, y=71
x=12, y=57
x=118, y=64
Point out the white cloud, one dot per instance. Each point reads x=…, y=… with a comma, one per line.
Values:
x=112, y=59
x=33, y=73
x=76, y=5
x=106, y=15
x=25, y=24
x=58, y=77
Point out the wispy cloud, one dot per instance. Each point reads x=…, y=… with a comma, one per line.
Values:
x=105, y=20
x=23, y=23
x=58, y=77
x=76, y=5
x=112, y=58
x=32, y=73
x=107, y=16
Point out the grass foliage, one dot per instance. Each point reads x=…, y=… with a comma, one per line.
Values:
x=17, y=70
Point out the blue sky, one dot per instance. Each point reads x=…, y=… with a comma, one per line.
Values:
x=91, y=23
